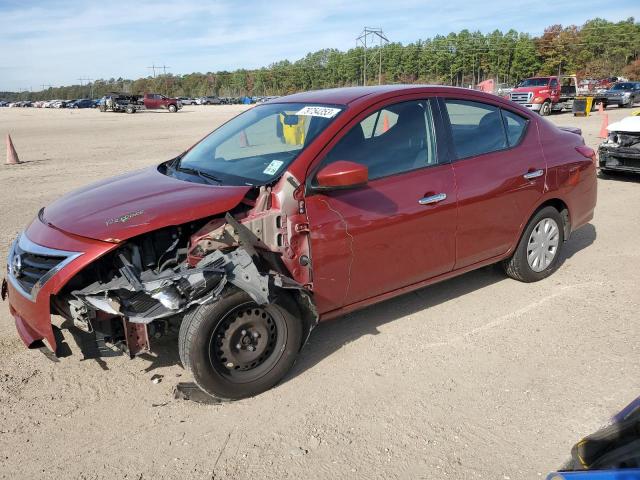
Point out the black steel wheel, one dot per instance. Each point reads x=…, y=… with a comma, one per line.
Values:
x=236, y=348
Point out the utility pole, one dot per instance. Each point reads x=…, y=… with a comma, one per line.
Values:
x=153, y=67
x=46, y=87
x=164, y=74
x=367, y=38
x=88, y=80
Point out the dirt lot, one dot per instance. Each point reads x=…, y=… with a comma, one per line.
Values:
x=477, y=377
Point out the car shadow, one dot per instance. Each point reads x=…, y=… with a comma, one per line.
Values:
x=619, y=177
x=328, y=337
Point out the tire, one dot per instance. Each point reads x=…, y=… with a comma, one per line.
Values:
x=518, y=266
x=226, y=372
x=102, y=108
x=545, y=109
x=130, y=109
x=173, y=108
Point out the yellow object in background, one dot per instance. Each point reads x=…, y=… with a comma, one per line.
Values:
x=293, y=134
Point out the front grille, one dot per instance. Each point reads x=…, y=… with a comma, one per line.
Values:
x=31, y=265
x=521, y=97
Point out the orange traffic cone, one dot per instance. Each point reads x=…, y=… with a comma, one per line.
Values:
x=601, y=107
x=244, y=141
x=385, y=123
x=604, y=133
x=12, y=156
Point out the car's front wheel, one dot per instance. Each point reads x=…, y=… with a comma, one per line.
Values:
x=173, y=108
x=538, y=253
x=236, y=348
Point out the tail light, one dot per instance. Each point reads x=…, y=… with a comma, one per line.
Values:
x=586, y=152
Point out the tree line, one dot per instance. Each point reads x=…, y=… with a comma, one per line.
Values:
x=597, y=49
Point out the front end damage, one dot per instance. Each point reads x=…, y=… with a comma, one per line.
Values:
x=142, y=289
x=621, y=151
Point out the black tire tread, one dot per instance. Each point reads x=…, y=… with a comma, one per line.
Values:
x=516, y=266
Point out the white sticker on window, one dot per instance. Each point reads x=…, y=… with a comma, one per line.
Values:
x=273, y=167
x=324, y=112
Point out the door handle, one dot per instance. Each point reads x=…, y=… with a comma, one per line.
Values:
x=534, y=174
x=433, y=199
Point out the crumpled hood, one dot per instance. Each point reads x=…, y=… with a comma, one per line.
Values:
x=134, y=203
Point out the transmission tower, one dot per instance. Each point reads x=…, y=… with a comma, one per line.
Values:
x=368, y=38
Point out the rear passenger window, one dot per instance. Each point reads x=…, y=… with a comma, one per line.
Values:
x=515, y=126
x=476, y=127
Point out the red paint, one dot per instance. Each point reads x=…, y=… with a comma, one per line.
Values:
x=343, y=174
x=366, y=243
x=163, y=201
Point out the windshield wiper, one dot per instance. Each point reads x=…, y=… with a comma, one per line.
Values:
x=204, y=175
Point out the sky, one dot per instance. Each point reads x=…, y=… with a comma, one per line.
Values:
x=59, y=41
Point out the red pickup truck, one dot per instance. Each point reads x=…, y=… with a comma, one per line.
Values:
x=546, y=94
x=117, y=102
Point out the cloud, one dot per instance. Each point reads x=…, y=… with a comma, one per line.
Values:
x=56, y=42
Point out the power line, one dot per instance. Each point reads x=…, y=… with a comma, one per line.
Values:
x=363, y=38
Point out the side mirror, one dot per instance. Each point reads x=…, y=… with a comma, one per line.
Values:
x=342, y=174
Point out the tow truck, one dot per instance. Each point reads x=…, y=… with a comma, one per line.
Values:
x=122, y=102
x=546, y=94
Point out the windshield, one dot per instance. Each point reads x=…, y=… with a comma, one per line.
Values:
x=622, y=86
x=258, y=145
x=534, y=82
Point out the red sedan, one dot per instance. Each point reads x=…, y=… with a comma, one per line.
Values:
x=296, y=211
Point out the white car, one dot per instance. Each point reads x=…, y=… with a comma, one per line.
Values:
x=187, y=100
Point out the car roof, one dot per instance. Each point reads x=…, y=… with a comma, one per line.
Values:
x=346, y=95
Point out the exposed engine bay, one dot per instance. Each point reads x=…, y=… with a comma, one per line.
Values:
x=142, y=288
x=621, y=150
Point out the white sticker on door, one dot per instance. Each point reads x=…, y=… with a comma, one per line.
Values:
x=324, y=112
x=273, y=167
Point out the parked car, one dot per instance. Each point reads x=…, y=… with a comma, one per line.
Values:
x=622, y=94
x=187, y=100
x=208, y=101
x=83, y=103
x=3, y=103
x=620, y=152
x=256, y=233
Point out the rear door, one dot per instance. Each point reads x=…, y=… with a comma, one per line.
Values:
x=500, y=172
x=398, y=229
x=152, y=101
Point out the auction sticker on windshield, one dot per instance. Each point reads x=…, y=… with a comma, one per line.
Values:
x=324, y=112
x=273, y=167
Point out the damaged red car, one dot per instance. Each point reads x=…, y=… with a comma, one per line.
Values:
x=297, y=211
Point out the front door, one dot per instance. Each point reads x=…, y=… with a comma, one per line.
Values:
x=398, y=229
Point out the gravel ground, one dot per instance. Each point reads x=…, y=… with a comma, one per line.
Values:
x=476, y=377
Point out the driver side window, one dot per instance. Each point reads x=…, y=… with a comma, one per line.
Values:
x=395, y=139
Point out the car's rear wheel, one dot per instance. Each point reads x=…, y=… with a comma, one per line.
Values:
x=538, y=253
x=236, y=348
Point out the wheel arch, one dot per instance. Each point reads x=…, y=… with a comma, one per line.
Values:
x=556, y=202
x=561, y=206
